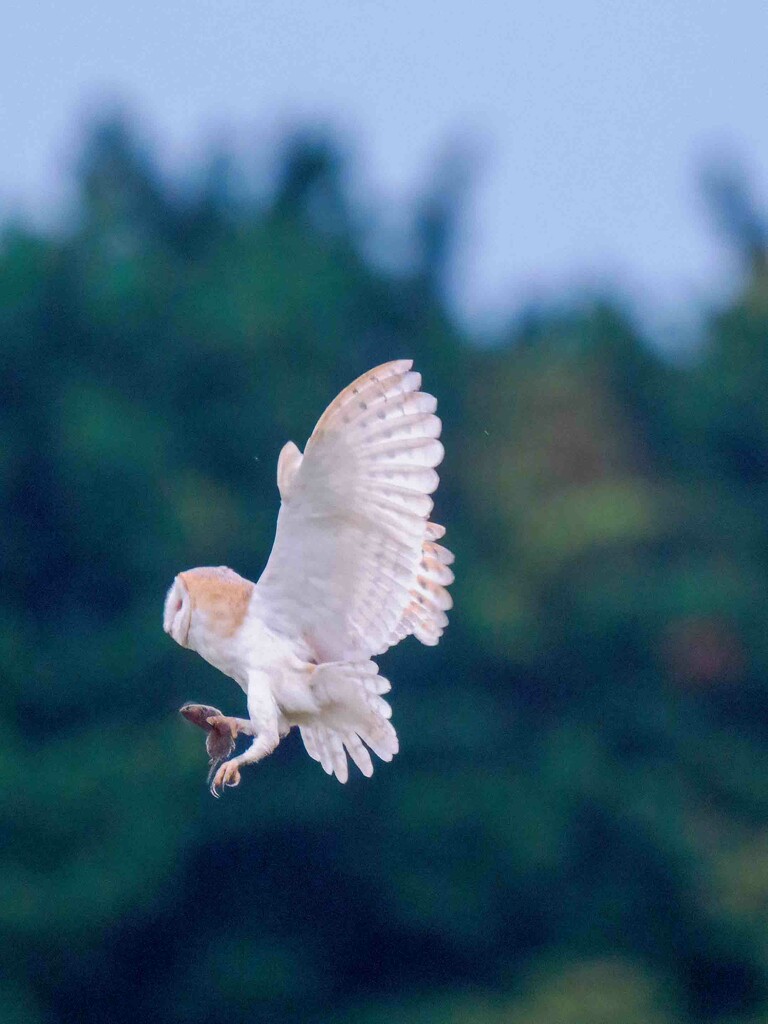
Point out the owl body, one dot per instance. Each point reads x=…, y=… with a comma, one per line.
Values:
x=356, y=566
x=225, y=629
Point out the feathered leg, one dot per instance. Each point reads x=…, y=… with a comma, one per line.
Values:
x=266, y=724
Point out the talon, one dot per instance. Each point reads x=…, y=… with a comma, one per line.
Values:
x=228, y=774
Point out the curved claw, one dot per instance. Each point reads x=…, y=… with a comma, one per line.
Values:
x=228, y=774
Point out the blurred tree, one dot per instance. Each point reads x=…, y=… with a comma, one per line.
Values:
x=575, y=828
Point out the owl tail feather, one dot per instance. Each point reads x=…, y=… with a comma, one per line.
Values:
x=353, y=713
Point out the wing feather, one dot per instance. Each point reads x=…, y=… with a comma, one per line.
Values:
x=354, y=566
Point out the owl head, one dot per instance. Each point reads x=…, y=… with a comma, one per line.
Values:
x=206, y=601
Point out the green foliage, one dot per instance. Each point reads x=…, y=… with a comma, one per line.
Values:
x=574, y=832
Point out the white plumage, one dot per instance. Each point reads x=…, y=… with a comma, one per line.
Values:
x=355, y=568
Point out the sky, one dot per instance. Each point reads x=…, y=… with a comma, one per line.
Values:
x=589, y=120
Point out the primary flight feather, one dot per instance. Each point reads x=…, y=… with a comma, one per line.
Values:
x=355, y=567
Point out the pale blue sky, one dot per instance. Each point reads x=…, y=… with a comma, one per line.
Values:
x=590, y=117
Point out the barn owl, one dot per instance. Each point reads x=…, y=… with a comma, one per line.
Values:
x=355, y=568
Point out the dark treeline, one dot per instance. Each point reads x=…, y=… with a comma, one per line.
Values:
x=575, y=830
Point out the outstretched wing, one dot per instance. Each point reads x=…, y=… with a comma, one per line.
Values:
x=355, y=567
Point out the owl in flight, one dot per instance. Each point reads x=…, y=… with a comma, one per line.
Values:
x=355, y=567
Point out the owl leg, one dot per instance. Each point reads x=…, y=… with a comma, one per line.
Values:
x=267, y=724
x=228, y=774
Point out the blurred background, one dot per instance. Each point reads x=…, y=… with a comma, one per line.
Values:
x=213, y=218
